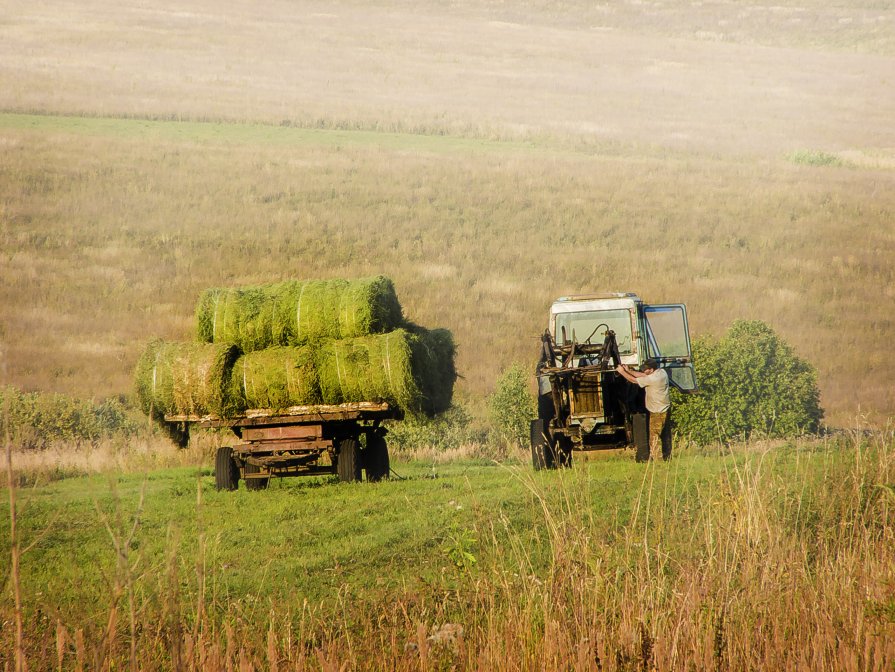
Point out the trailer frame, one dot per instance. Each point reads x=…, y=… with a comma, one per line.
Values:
x=294, y=442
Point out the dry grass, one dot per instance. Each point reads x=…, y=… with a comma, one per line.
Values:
x=133, y=229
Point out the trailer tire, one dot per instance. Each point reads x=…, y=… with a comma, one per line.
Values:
x=640, y=431
x=542, y=456
x=348, y=464
x=255, y=483
x=376, y=458
x=563, y=452
x=226, y=473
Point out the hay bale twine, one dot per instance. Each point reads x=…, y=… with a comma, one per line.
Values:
x=369, y=368
x=276, y=378
x=297, y=312
x=186, y=378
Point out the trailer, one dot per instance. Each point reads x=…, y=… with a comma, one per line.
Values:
x=345, y=439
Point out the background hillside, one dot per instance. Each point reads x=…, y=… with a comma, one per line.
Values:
x=488, y=157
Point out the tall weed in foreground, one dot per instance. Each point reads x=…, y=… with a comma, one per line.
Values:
x=781, y=559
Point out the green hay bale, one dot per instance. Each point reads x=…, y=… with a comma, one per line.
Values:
x=433, y=364
x=411, y=370
x=369, y=368
x=276, y=378
x=186, y=378
x=297, y=312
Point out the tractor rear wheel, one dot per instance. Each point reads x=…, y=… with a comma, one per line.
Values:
x=640, y=431
x=542, y=454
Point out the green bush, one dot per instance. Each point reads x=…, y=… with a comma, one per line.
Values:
x=36, y=419
x=452, y=429
x=751, y=384
x=512, y=406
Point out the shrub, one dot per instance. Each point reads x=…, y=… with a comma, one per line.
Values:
x=455, y=428
x=751, y=383
x=512, y=406
x=36, y=419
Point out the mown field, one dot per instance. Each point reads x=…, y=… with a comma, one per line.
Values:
x=766, y=556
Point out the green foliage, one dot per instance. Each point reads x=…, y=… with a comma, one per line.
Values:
x=512, y=406
x=814, y=158
x=460, y=547
x=751, y=384
x=36, y=419
x=451, y=430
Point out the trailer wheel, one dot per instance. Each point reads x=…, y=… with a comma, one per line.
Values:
x=226, y=473
x=563, y=452
x=255, y=483
x=542, y=456
x=348, y=464
x=640, y=431
x=376, y=458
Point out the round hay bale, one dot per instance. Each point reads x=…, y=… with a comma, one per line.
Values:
x=186, y=378
x=297, y=312
x=369, y=368
x=276, y=378
x=433, y=365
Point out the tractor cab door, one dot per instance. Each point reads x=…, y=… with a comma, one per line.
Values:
x=668, y=340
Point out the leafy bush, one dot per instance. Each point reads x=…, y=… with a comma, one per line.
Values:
x=751, y=384
x=36, y=419
x=452, y=429
x=512, y=406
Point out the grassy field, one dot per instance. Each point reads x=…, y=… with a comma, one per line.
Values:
x=764, y=556
x=489, y=157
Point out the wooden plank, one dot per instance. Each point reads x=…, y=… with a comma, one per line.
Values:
x=363, y=410
x=280, y=432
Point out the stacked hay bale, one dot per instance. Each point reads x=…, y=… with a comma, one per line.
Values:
x=186, y=378
x=298, y=312
x=301, y=343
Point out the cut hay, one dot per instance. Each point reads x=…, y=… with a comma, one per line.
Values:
x=369, y=368
x=186, y=378
x=433, y=364
x=412, y=371
x=276, y=378
x=297, y=312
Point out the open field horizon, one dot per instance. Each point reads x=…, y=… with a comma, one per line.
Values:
x=487, y=156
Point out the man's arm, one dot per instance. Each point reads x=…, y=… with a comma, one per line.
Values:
x=627, y=374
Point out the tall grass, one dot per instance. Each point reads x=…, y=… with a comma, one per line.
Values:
x=781, y=559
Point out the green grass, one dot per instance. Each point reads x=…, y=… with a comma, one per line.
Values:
x=789, y=535
x=306, y=538
x=815, y=158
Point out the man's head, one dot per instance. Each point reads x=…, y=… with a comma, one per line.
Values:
x=650, y=365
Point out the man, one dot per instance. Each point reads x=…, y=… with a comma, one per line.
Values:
x=658, y=402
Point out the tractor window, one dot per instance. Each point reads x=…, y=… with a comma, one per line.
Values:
x=592, y=325
x=667, y=331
